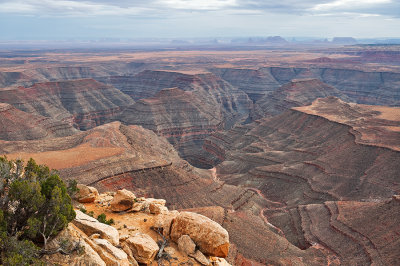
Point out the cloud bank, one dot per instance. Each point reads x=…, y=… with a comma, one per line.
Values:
x=202, y=18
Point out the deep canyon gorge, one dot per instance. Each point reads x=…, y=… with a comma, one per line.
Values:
x=296, y=152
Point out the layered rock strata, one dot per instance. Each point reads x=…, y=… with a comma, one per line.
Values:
x=19, y=125
x=296, y=93
x=27, y=76
x=305, y=162
x=365, y=87
x=186, y=114
x=361, y=233
x=371, y=124
x=256, y=83
x=310, y=157
x=84, y=103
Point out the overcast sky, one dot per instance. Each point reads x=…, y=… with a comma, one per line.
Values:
x=76, y=19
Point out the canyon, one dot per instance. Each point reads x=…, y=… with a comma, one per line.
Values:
x=295, y=156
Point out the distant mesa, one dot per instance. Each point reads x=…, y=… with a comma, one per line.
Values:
x=344, y=40
x=261, y=40
x=180, y=42
x=276, y=39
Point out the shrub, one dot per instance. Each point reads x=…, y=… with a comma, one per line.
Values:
x=34, y=204
x=103, y=219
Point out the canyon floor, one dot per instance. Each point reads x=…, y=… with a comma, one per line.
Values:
x=295, y=151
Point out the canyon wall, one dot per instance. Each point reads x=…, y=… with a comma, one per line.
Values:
x=27, y=76
x=375, y=87
x=184, y=108
x=84, y=103
x=295, y=93
x=323, y=183
x=19, y=125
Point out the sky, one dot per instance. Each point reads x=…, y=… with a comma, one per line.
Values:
x=134, y=19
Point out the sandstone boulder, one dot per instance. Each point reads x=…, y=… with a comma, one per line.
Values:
x=90, y=225
x=86, y=194
x=210, y=237
x=143, y=247
x=122, y=201
x=156, y=201
x=150, y=205
x=186, y=245
x=138, y=206
x=157, y=208
x=163, y=221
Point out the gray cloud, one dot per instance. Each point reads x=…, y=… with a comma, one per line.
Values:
x=136, y=7
x=200, y=17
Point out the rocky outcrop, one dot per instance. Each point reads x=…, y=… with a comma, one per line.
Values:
x=93, y=250
x=142, y=228
x=84, y=103
x=210, y=237
x=90, y=226
x=72, y=234
x=19, y=125
x=86, y=194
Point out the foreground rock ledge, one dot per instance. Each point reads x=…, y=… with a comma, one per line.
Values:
x=90, y=226
x=211, y=238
